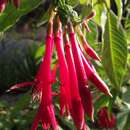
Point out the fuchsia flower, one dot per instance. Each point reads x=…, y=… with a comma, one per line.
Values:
x=42, y=87
x=87, y=47
x=94, y=77
x=43, y=79
x=74, y=72
x=76, y=107
x=64, y=74
x=85, y=22
x=106, y=119
x=85, y=94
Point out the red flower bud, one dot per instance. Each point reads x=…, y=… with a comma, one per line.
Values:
x=106, y=119
x=87, y=47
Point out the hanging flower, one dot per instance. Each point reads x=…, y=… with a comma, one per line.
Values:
x=64, y=74
x=76, y=107
x=106, y=119
x=75, y=70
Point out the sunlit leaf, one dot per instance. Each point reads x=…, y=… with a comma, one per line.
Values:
x=114, y=51
x=122, y=119
x=83, y=1
x=119, y=8
x=99, y=8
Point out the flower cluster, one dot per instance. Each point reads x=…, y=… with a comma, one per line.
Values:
x=75, y=70
x=106, y=119
x=3, y=4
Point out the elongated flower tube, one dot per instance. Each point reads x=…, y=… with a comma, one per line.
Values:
x=76, y=108
x=85, y=21
x=94, y=77
x=20, y=85
x=46, y=112
x=85, y=94
x=86, y=46
x=64, y=73
x=87, y=58
x=2, y=5
x=91, y=15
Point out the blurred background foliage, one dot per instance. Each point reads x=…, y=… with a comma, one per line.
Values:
x=22, y=33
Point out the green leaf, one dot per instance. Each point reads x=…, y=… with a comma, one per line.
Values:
x=83, y=1
x=127, y=125
x=91, y=36
x=11, y=15
x=119, y=8
x=114, y=51
x=122, y=119
x=102, y=101
x=43, y=19
x=99, y=8
x=126, y=95
x=108, y=3
x=86, y=10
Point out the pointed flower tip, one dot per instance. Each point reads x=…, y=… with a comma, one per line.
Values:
x=92, y=117
x=20, y=85
x=7, y=90
x=109, y=94
x=98, y=58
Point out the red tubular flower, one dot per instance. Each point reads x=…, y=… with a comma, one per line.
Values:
x=89, y=50
x=94, y=77
x=87, y=58
x=43, y=78
x=85, y=22
x=64, y=74
x=2, y=5
x=81, y=75
x=20, y=85
x=91, y=15
x=106, y=119
x=16, y=3
x=76, y=108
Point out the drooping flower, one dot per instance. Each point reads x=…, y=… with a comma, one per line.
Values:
x=85, y=21
x=76, y=107
x=85, y=93
x=64, y=74
x=43, y=79
x=94, y=78
x=42, y=86
x=89, y=50
x=74, y=72
x=106, y=119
